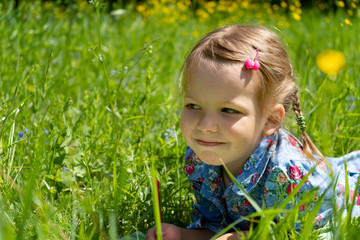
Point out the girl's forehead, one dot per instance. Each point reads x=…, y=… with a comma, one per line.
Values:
x=223, y=75
x=228, y=84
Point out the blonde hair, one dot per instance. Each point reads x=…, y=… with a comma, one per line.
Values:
x=233, y=45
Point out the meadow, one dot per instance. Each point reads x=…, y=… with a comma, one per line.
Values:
x=90, y=100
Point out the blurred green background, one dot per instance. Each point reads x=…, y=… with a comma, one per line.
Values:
x=90, y=97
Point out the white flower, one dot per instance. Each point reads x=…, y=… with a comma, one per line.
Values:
x=118, y=12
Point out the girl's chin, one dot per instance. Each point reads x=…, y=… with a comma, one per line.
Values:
x=210, y=158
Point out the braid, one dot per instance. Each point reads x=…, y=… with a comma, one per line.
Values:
x=309, y=147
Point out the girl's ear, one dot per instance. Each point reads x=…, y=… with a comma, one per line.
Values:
x=274, y=120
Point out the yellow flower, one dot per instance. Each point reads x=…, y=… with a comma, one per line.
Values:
x=341, y=4
x=283, y=24
x=141, y=8
x=296, y=16
x=47, y=5
x=184, y=33
x=196, y=33
x=182, y=6
x=347, y=21
x=245, y=4
x=202, y=15
x=330, y=61
x=184, y=17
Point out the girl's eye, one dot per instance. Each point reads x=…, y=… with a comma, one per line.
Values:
x=229, y=110
x=192, y=106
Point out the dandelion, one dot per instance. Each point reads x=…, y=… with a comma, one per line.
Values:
x=296, y=16
x=347, y=21
x=182, y=6
x=21, y=134
x=341, y=4
x=330, y=61
x=196, y=33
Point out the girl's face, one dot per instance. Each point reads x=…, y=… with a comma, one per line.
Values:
x=221, y=117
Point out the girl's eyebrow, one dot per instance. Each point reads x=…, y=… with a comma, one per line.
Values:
x=188, y=96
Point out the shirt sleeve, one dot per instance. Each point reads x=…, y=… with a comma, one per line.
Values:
x=205, y=214
x=284, y=178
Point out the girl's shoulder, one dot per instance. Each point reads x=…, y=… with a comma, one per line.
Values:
x=289, y=151
x=289, y=154
x=289, y=163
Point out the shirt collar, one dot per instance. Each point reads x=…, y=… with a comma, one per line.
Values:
x=255, y=167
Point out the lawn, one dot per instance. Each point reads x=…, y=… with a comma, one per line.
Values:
x=90, y=99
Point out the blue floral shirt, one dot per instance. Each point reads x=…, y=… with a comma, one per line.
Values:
x=269, y=175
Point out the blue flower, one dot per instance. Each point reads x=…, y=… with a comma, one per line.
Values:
x=21, y=134
x=171, y=131
x=166, y=136
x=26, y=130
x=65, y=169
x=46, y=131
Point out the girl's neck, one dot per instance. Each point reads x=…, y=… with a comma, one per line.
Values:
x=226, y=178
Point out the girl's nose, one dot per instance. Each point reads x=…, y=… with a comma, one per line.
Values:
x=207, y=123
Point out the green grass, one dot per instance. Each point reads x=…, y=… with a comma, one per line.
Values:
x=99, y=97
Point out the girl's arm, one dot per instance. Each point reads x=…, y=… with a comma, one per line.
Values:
x=172, y=232
x=233, y=236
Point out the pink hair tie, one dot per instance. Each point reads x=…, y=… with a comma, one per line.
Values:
x=252, y=62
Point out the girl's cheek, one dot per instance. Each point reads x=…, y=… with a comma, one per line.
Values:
x=187, y=119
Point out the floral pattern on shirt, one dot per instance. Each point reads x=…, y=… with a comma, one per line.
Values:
x=271, y=173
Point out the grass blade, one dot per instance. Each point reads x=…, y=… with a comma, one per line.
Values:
x=247, y=196
x=156, y=203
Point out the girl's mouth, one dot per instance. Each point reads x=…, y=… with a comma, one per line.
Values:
x=208, y=143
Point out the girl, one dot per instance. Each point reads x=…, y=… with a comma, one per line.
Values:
x=238, y=85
